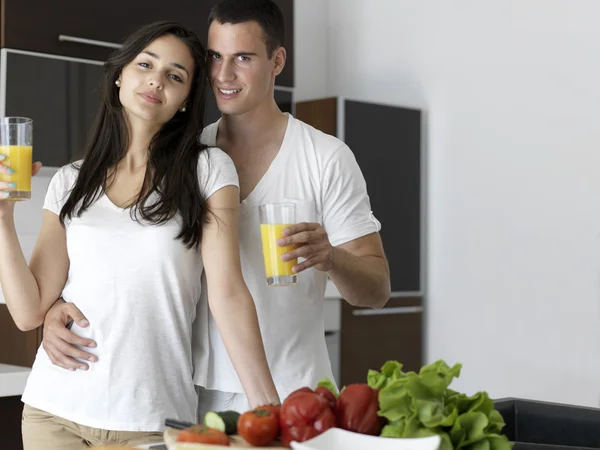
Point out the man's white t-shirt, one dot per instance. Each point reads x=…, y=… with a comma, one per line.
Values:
x=138, y=286
x=319, y=173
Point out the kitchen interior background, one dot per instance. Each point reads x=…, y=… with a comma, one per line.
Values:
x=510, y=105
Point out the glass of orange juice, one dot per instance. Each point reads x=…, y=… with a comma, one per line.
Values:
x=16, y=143
x=274, y=218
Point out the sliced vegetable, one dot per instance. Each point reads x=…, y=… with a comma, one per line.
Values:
x=225, y=421
x=201, y=434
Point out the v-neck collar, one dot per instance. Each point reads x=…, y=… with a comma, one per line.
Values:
x=278, y=162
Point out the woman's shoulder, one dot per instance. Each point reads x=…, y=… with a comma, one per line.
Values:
x=215, y=170
x=213, y=157
x=67, y=174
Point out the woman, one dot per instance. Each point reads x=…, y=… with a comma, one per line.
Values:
x=126, y=233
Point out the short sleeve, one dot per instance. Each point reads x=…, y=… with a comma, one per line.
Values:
x=216, y=170
x=59, y=189
x=347, y=213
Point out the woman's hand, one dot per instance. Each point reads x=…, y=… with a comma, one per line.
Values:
x=7, y=207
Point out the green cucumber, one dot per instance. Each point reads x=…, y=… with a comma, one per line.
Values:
x=225, y=421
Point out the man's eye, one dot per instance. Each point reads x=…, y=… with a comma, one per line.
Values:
x=243, y=58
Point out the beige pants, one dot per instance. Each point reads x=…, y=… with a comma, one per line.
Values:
x=43, y=431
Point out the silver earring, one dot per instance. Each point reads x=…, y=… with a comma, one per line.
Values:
x=118, y=83
x=182, y=109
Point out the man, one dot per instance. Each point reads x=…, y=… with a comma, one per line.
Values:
x=278, y=158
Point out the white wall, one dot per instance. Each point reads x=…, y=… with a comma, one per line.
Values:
x=511, y=91
x=310, y=47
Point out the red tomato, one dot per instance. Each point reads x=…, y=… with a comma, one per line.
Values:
x=259, y=426
x=275, y=409
x=201, y=434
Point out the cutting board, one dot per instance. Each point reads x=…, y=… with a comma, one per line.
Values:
x=236, y=442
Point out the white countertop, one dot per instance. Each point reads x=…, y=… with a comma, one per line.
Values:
x=12, y=380
x=331, y=292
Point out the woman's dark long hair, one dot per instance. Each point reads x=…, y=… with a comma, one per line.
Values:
x=172, y=165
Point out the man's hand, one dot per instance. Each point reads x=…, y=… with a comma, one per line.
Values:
x=59, y=341
x=312, y=244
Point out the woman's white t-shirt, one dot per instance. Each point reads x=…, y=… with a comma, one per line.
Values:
x=138, y=286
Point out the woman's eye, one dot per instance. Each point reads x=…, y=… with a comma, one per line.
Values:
x=144, y=64
x=176, y=78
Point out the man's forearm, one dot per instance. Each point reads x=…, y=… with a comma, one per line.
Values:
x=361, y=280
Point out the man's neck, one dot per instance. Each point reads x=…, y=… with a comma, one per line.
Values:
x=252, y=128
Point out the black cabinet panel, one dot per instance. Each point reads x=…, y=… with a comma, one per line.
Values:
x=370, y=337
x=11, y=410
x=35, y=25
x=62, y=98
x=387, y=143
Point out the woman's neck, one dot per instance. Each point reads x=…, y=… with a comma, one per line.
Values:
x=140, y=136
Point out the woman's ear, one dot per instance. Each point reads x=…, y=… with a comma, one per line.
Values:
x=279, y=58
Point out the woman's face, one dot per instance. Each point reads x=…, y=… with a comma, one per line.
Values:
x=156, y=84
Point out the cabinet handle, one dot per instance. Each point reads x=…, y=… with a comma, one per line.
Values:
x=388, y=311
x=78, y=40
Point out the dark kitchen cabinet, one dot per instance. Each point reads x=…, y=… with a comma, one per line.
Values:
x=386, y=143
x=17, y=348
x=370, y=337
x=90, y=29
x=62, y=97
x=11, y=410
x=38, y=25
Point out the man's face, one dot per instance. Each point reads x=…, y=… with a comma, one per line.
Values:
x=241, y=73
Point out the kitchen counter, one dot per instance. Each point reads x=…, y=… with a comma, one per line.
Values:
x=331, y=292
x=12, y=380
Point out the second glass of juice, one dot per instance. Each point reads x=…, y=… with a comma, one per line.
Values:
x=274, y=218
x=16, y=139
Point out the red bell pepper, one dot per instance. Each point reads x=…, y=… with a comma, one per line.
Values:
x=356, y=410
x=304, y=415
x=329, y=396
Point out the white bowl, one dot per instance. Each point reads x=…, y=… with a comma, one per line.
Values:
x=338, y=439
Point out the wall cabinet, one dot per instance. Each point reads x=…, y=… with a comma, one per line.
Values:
x=11, y=409
x=370, y=337
x=89, y=29
x=17, y=348
x=48, y=73
x=386, y=141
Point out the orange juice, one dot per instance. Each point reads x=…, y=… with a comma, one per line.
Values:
x=18, y=158
x=274, y=266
